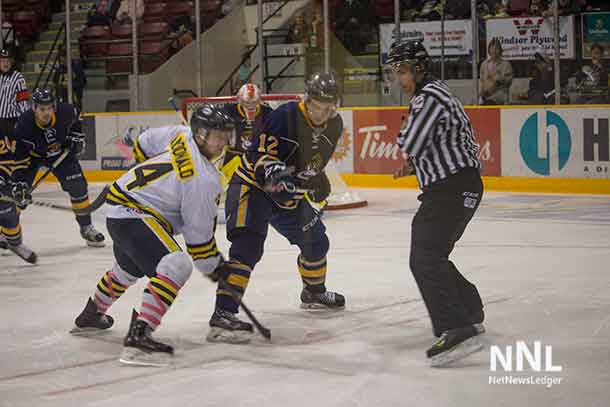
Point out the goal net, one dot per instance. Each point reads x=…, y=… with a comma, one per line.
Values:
x=341, y=197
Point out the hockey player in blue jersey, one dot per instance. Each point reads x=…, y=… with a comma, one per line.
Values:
x=45, y=131
x=14, y=196
x=287, y=156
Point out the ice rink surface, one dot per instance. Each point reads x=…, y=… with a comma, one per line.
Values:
x=541, y=263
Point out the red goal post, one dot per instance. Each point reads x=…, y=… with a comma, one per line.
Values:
x=341, y=197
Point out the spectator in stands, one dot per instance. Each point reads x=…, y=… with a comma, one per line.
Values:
x=123, y=15
x=566, y=7
x=99, y=14
x=593, y=79
x=542, y=85
x=496, y=76
x=537, y=7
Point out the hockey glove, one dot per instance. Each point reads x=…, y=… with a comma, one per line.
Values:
x=319, y=186
x=279, y=181
x=20, y=192
x=76, y=142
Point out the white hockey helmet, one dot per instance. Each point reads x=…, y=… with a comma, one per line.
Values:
x=249, y=98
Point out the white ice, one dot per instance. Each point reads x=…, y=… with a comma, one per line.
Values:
x=541, y=263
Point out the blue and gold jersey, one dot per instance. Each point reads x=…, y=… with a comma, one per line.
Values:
x=48, y=141
x=14, y=158
x=289, y=135
x=244, y=129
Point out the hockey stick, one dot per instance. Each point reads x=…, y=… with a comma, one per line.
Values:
x=265, y=332
x=55, y=164
x=172, y=102
x=92, y=207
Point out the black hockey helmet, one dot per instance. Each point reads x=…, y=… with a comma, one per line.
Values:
x=408, y=51
x=43, y=96
x=4, y=53
x=209, y=116
x=322, y=87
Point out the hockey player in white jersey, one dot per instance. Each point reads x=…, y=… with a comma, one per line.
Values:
x=173, y=193
x=156, y=140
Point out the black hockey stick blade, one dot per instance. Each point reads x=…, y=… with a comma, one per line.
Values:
x=92, y=207
x=266, y=332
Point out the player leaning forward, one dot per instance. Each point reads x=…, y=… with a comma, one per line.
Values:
x=45, y=132
x=439, y=145
x=173, y=193
x=287, y=155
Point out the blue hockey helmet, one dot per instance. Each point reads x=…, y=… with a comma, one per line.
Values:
x=43, y=96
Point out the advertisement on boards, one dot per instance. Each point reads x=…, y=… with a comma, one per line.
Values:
x=117, y=132
x=376, y=151
x=556, y=143
x=522, y=37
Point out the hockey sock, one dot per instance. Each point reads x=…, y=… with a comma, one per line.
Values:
x=80, y=203
x=237, y=282
x=12, y=235
x=111, y=286
x=159, y=295
x=313, y=274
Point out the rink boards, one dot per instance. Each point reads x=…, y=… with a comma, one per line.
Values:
x=530, y=148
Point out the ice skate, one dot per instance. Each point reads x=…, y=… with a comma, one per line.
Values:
x=453, y=345
x=91, y=321
x=226, y=327
x=139, y=347
x=24, y=252
x=3, y=243
x=93, y=237
x=327, y=300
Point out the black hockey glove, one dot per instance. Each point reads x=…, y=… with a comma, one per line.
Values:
x=20, y=192
x=319, y=186
x=279, y=182
x=76, y=142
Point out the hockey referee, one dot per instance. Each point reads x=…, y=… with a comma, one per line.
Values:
x=438, y=145
x=13, y=93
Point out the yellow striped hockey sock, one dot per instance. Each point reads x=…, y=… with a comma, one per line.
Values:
x=313, y=273
x=108, y=290
x=159, y=295
x=12, y=235
x=237, y=281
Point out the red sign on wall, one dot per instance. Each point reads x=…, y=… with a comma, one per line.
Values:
x=376, y=151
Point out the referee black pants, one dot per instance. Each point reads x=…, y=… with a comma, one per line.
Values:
x=445, y=211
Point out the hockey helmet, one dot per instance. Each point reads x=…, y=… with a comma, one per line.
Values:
x=249, y=98
x=322, y=87
x=4, y=53
x=43, y=96
x=408, y=51
x=210, y=116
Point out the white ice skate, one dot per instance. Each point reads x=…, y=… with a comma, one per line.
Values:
x=24, y=252
x=93, y=237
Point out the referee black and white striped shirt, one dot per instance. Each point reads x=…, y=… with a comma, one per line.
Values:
x=438, y=136
x=13, y=95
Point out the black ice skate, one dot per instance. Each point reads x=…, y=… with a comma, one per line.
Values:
x=327, y=300
x=24, y=252
x=226, y=327
x=91, y=320
x=93, y=237
x=139, y=347
x=453, y=345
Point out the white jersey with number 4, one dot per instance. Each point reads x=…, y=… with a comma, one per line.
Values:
x=179, y=188
x=156, y=140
